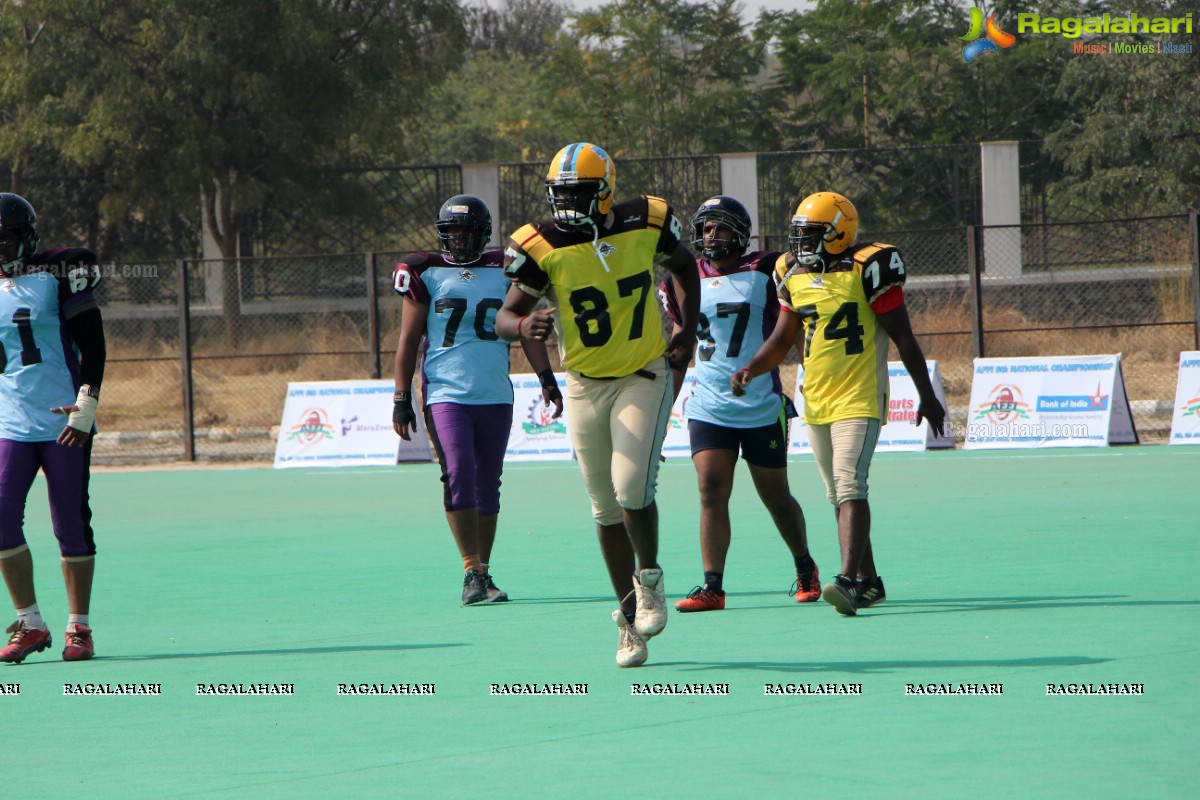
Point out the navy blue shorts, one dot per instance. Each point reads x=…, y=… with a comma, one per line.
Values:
x=763, y=447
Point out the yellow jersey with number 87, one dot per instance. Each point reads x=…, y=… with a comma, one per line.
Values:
x=608, y=320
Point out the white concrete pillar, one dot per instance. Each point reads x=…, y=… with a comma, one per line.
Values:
x=1001, y=172
x=483, y=181
x=739, y=180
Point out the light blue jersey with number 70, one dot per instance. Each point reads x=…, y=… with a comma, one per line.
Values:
x=466, y=361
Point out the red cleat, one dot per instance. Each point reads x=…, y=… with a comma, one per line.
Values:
x=79, y=644
x=807, y=587
x=23, y=642
x=702, y=599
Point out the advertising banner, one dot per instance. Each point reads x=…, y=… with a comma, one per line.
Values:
x=1064, y=401
x=535, y=435
x=677, y=441
x=341, y=424
x=1185, y=418
x=899, y=434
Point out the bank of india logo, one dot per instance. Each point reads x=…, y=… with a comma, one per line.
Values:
x=313, y=427
x=541, y=419
x=993, y=40
x=1005, y=405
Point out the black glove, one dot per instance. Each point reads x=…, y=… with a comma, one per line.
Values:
x=549, y=385
x=402, y=410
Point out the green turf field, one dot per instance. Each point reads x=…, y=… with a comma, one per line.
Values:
x=1020, y=569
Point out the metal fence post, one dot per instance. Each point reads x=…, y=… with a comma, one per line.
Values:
x=1194, y=224
x=973, y=241
x=373, y=316
x=185, y=363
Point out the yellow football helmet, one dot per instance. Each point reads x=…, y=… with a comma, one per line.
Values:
x=580, y=185
x=824, y=223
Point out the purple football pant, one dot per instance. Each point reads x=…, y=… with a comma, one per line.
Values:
x=470, y=442
x=67, y=471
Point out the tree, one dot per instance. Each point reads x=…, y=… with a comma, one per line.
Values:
x=1133, y=147
x=661, y=77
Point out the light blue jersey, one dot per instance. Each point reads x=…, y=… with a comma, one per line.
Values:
x=466, y=361
x=40, y=362
x=738, y=309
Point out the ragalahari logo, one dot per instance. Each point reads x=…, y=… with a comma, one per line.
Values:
x=1004, y=406
x=541, y=419
x=314, y=427
x=995, y=40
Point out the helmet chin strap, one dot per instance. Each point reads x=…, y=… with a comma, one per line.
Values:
x=596, y=245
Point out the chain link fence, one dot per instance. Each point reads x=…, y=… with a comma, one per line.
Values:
x=684, y=181
x=198, y=369
x=892, y=187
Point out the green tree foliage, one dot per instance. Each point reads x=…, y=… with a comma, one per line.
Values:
x=660, y=77
x=121, y=117
x=487, y=108
x=664, y=77
x=891, y=73
x=1132, y=145
x=246, y=105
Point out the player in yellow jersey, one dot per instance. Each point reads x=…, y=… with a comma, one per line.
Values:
x=595, y=260
x=849, y=301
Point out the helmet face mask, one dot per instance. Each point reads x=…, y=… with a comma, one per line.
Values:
x=464, y=228
x=18, y=232
x=580, y=185
x=726, y=213
x=825, y=224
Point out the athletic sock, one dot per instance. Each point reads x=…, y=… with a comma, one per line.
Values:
x=804, y=563
x=77, y=619
x=712, y=581
x=471, y=562
x=31, y=617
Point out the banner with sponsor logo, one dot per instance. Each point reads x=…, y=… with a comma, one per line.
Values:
x=1185, y=420
x=342, y=424
x=1068, y=401
x=899, y=435
x=678, y=442
x=535, y=435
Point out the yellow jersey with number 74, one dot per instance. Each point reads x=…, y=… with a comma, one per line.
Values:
x=844, y=347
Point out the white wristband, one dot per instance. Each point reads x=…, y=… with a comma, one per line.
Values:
x=85, y=417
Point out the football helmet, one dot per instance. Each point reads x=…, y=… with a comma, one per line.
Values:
x=727, y=212
x=580, y=185
x=17, y=221
x=464, y=211
x=825, y=223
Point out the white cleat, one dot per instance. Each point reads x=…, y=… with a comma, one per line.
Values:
x=631, y=648
x=651, y=593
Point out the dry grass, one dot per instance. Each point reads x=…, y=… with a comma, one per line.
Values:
x=248, y=391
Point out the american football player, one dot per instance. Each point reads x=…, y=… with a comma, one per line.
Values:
x=53, y=352
x=738, y=309
x=848, y=299
x=594, y=259
x=450, y=304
